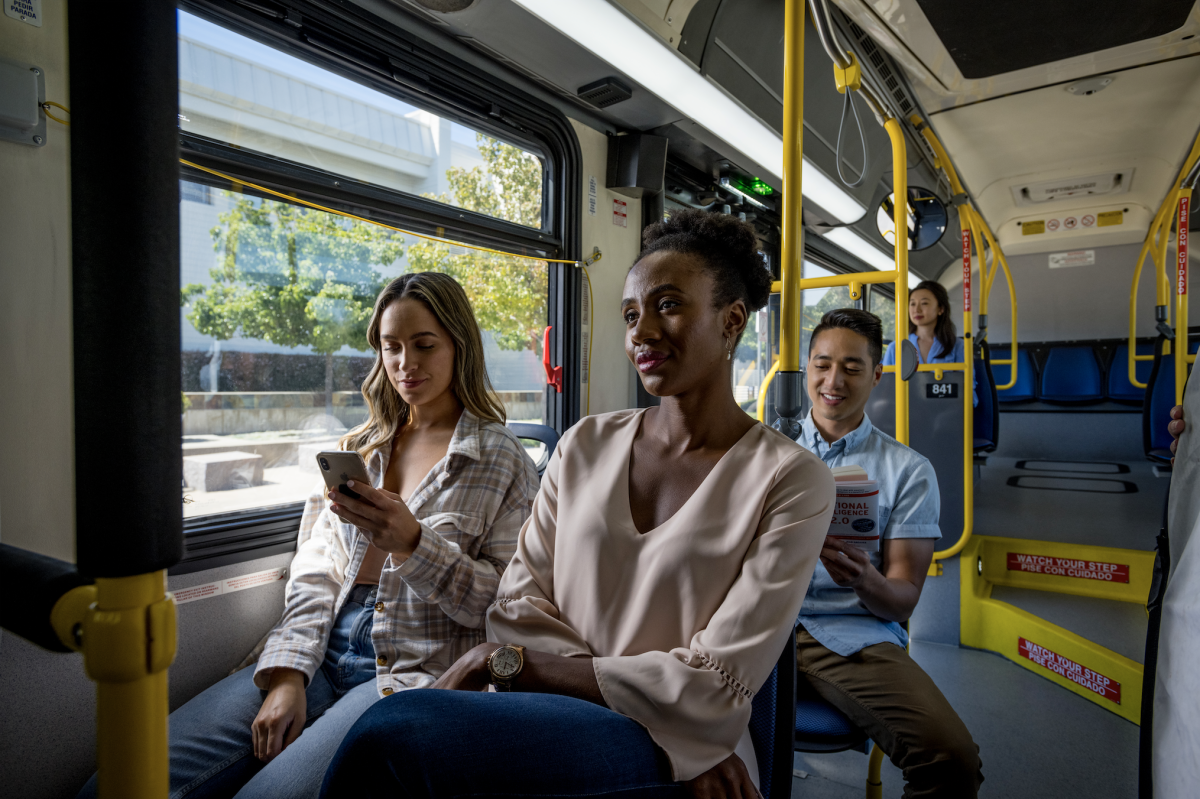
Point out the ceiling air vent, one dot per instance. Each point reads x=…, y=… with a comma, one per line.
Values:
x=1074, y=186
x=605, y=92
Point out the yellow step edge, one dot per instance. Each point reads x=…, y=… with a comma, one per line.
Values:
x=1123, y=575
x=1083, y=667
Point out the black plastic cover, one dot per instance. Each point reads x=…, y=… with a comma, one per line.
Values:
x=30, y=584
x=987, y=39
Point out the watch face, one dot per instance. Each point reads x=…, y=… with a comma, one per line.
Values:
x=506, y=662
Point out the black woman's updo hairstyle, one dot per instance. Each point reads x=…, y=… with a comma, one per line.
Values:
x=724, y=244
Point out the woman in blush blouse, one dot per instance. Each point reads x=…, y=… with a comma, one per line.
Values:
x=654, y=585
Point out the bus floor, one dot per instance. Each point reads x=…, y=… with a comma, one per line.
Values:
x=1102, y=503
x=1035, y=739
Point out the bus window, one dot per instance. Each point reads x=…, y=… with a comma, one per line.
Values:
x=884, y=306
x=275, y=296
x=248, y=94
x=817, y=302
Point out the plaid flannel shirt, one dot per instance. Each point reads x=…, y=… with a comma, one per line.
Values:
x=430, y=608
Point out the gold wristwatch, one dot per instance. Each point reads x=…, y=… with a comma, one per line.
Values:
x=505, y=664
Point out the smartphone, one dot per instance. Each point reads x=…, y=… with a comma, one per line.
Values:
x=339, y=467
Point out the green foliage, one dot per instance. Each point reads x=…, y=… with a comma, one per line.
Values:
x=508, y=294
x=293, y=276
x=300, y=277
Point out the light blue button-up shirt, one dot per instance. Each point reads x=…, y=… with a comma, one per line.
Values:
x=935, y=352
x=909, y=507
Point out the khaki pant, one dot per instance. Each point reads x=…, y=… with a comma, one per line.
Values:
x=885, y=693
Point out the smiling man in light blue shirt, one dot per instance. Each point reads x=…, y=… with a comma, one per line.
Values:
x=849, y=642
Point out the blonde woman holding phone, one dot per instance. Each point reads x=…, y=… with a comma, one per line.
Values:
x=389, y=589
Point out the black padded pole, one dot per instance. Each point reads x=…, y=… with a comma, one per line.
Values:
x=30, y=584
x=125, y=246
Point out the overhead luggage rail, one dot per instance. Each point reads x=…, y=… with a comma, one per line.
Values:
x=1173, y=210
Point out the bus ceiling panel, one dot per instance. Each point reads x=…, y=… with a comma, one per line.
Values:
x=989, y=39
x=957, y=53
x=1015, y=151
x=510, y=36
x=744, y=55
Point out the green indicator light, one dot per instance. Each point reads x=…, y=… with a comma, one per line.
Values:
x=759, y=187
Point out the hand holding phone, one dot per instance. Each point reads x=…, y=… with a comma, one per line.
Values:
x=383, y=517
x=338, y=468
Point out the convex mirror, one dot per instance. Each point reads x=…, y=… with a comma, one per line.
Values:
x=927, y=219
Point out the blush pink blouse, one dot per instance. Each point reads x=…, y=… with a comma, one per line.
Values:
x=685, y=621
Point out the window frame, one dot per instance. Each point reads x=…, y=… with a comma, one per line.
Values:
x=374, y=52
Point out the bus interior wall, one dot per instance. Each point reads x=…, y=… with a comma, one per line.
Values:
x=613, y=224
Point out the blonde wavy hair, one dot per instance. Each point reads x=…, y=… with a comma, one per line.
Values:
x=447, y=301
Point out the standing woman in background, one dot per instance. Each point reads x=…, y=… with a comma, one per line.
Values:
x=386, y=590
x=930, y=328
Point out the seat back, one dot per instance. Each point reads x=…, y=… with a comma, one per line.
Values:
x=1025, y=389
x=1117, y=386
x=1071, y=374
x=1156, y=407
x=537, y=432
x=987, y=410
x=771, y=725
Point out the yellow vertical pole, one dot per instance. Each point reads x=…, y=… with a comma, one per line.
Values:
x=1181, y=294
x=792, y=268
x=874, y=774
x=966, y=218
x=900, y=217
x=128, y=639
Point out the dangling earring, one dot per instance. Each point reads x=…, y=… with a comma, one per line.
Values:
x=729, y=349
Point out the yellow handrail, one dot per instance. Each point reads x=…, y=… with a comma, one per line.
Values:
x=792, y=222
x=762, y=391
x=1155, y=245
x=998, y=260
x=968, y=218
x=900, y=222
x=1181, y=294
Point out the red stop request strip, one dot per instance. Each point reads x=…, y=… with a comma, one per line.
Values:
x=1065, y=667
x=1069, y=567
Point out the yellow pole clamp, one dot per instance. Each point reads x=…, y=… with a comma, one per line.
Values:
x=125, y=628
x=850, y=78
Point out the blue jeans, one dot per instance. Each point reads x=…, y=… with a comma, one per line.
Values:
x=447, y=744
x=212, y=751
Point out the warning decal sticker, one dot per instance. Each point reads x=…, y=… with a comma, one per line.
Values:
x=1069, y=567
x=1110, y=218
x=1065, y=667
x=1032, y=228
x=1181, y=247
x=620, y=213
x=241, y=583
x=966, y=245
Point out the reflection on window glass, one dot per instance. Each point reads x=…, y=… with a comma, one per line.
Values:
x=753, y=356
x=240, y=91
x=275, y=303
x=884, y=307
